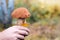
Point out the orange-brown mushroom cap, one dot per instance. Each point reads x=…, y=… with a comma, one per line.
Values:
x=20, y=13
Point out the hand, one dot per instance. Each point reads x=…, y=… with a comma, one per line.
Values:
x=14, y=33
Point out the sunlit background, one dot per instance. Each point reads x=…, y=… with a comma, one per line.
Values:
x=44, y=20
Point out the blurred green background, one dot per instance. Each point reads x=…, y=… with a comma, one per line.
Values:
x=44, y=20
x=41, y=10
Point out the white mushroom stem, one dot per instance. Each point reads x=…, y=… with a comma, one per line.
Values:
x=21, y=21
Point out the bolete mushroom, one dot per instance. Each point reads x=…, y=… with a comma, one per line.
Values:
x=21, y=14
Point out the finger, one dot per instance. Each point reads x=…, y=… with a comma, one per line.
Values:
x=20, y=39
x=19, y=36
x=22, y=28
x=22, y=32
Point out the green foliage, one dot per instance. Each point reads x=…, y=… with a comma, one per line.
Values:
x=45, y=16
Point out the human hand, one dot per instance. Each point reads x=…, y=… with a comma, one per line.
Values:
x=14, y=33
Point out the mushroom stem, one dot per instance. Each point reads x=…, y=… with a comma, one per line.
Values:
x=22, y=22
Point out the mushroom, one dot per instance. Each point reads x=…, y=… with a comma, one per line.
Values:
x=21, y=14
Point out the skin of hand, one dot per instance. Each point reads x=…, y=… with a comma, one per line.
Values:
x=14, y=33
